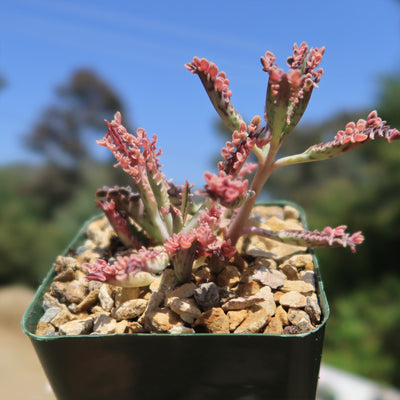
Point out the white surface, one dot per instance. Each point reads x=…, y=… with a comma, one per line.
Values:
x=335, y=384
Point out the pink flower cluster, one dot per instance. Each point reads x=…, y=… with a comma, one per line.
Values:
x=356, y=134
x=363, y=131
x=223, y=188
x=302, y=75
x=221, y=83
x=236, y=152
x=135, y=154
x=307, y=60
x=202, y=239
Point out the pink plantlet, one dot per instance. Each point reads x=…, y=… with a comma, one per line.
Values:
x=180, y=241
x=134, y=270
x=353, y=136
x=288, y=94
x=229, y=192
x=328, y=237
x=238, y=150
x=119, y=224
x=217, y=87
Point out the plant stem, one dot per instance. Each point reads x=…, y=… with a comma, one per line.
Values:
x=263, y=172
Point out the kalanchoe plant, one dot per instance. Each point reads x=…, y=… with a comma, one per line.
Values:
x=161, y=224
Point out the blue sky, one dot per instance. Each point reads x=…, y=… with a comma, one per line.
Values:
x=140, y=48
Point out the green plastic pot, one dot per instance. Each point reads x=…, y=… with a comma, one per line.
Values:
x=187, y=367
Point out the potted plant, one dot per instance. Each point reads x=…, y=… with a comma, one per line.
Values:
x=231, y=288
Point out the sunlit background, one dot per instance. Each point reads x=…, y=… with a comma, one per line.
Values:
x=65, y=66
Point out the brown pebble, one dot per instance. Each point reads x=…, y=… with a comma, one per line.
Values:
x=212, y=321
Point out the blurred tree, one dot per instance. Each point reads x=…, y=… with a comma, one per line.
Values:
x=81, y=106
x=61, y=137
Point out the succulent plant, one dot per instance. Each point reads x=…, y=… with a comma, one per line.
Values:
x=162, y=225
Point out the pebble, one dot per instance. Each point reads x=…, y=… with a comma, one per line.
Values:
x=295, y=316
x=181, y=330
x=65, y=276
x=240, y=303
x=62, y=317
x=50, y=301
x=212, y=321
x=293, y=299
x=106, y=301
x=302, y=327
x=100, y=232
x=207, y=296
x=203, y=275
x=308, y=276
x=64, y=262
x=181, y=292
x=44, y=328
x=290, y=271
x=277, y=296
x=134, y=327
x=269, y=303
x=104, y=324
x=256, y=319
x=274, y=327
x=122, y=294
x=186, y=308
x=75, y=292
x=263, y=262
x=94, y=285
x=291, y=212
x=282, y=315
x=260, y=246
x=155, y=285
x=297, y=286
x=77, y=327
x=263, y=213
x=89, y=301
x=269, y=277
x=163, y=319
x=50, y=313
x=248, y=288
x=313, y=309
x=230, y=276
x=130, y=309
x=277, y=224
x=57, y=290
x=302, y=261
x=236, y=318
x=121, y=326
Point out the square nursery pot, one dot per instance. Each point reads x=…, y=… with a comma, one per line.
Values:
x=190, y=367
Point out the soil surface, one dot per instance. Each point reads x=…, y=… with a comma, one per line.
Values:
x=21, y=375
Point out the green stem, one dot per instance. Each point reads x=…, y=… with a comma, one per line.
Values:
x=261, y=176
